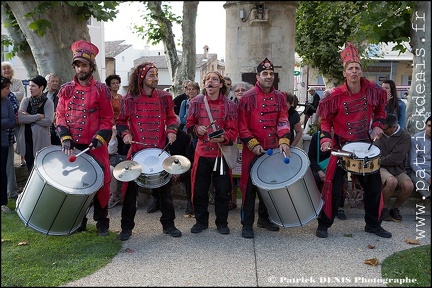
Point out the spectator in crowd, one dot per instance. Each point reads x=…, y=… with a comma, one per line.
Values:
x=394, y=147
x=179, y=98
x=239, y=89
x=7, y=122
x=193, y=90
x=12, y=185
x=394, y=104
x=51, y=91
x=310, y=110
x=229, y=93
x=16, y=88
x=36, y=115
x=294, y=119
x=113, y=82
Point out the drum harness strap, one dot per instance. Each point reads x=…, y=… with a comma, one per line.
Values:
x=214, y=129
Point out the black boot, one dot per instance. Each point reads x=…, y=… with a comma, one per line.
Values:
x=154, y=206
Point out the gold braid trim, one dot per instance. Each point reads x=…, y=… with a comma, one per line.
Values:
x=252, y=143
x=64, y=138
x=101, y=139
x=284, y=141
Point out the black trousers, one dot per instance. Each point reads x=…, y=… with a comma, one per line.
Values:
x=248, y=207
x=371, y=184
x=222, y=183
x=129, y=206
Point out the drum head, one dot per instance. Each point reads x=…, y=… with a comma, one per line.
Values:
x=150, y=162
x=83, y=176
x=360, y=150
x=271, y=172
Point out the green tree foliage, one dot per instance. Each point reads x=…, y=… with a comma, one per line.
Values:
x=155, y=14
x=384, y=22
x=322, y=28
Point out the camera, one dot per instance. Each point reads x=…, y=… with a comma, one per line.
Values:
x=216, y=133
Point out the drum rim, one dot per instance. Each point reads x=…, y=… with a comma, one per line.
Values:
x=365, y=144
x=294, y=150
x=98, y=183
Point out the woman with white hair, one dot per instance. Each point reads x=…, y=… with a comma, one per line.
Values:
x=17, y=88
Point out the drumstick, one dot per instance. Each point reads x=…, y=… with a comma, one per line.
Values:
x=135, y=142
x=370, y=146
x=73, y=157
x=208, y=126
x=286, y=159
x=163, y=149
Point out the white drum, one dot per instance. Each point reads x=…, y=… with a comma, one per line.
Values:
x=288, y=190
x=152, y=175
x=58, y=192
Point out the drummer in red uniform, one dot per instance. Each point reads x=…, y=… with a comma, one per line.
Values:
x=85, y=117
x=263, y=124
x=208, y=156
x=146, y=116
x=351, y=109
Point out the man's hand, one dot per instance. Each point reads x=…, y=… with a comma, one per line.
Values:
x=67, y=147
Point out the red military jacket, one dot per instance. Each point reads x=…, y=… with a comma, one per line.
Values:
x=352, y=115
x=84, y=112
x=148, y=119
x=224, y=112
x=262, y=120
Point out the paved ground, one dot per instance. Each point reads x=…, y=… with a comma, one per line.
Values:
x=290, y=257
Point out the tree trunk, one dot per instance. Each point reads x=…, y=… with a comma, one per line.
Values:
x=186, y=69
x=18, y=38
x=52, y=51
x=419, y=103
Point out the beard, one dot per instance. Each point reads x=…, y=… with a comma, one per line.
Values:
x=84, y=76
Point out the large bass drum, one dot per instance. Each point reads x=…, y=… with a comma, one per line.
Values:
x=152, y=174
x=58, y=192
x=288, y=190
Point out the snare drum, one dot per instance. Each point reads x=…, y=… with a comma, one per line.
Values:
x=152, y=175
x=288, y=190
x=58, y=192
x=363, y=160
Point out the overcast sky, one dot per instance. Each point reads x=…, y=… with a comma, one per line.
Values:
x=210, y=26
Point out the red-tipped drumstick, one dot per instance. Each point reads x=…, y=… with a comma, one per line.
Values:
x=73, y=157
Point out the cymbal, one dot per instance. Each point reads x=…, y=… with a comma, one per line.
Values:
x=176, y=164
x=127, y=170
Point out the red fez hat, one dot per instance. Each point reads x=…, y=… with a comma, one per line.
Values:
x=84, y=50
x=265, y=65
x=349, y=55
